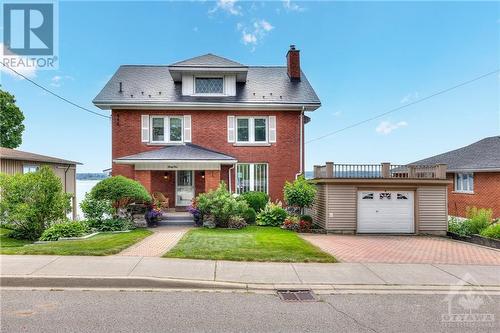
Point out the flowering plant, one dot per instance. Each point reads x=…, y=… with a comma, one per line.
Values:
x=152, y=215
x=196, y=212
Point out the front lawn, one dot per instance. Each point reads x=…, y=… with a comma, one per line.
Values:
x=100, y=245
x=248, y=244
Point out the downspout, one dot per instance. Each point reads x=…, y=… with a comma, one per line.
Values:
x=301, y=143
x=230, y=187
x=73, y=214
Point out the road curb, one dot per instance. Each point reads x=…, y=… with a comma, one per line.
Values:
x=152, y=283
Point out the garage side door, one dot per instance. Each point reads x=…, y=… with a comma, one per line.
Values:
x=385, y=212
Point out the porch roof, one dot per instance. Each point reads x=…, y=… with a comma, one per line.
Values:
x=178, y=153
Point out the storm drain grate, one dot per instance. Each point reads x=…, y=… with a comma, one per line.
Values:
x=297, y=295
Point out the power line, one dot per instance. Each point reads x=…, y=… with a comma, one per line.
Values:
x=56, y=95
x=404, y=106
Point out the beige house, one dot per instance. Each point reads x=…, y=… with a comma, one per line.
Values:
x=381, y=198
x=14, y=161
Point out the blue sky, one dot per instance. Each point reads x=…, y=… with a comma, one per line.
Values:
x=362, y=58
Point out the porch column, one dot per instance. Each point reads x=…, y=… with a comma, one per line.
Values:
x=143, y=177
x=212, y=179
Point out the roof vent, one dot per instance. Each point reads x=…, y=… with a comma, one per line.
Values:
x=121, y=87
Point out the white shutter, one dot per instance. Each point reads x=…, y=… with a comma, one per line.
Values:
x=230, y=85
x=230, y=129
x=187, y=128
x=145, y=128
x=187, y=85
x=272, y=128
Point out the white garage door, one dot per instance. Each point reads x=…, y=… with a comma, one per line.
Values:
x=385, y=212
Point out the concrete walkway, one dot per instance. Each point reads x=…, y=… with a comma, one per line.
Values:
x=123, y=271
x=163, y=239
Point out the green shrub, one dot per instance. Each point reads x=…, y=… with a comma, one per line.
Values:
x=31, y=202
x=220, y=205
x=458, y=227
x=94, y=209
x=256, y=200
x=307, y=218
x=236, y=222
x=492, y=231
x=249, y=215
x=478, y=219
x=115, y=224
x=299, y=194
x=120, y=191
x=64, y=229
x=272, y=215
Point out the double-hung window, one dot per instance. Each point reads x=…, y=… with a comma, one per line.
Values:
x=251, y=177
x=464, y=182
x=166, y=129
x=251, y=129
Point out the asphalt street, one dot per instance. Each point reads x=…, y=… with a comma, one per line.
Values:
x=189, y=311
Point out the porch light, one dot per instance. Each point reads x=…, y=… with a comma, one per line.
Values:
x=166, y=176
x=203, y=174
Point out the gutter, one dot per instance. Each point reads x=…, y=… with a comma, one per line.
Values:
x=301, y=144
x=174, y=161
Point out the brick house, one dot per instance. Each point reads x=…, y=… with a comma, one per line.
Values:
x=181, y=129
x=475, y=172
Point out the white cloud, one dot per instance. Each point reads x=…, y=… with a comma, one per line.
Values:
x=292, y=6
x=252, y=36
x=386, y=127
x=228, y=6
x=57, y=80
x=410, y=97
x=337, y=113
x=18, y=63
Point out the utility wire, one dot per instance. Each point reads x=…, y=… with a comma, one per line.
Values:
x=56, y=95
x=404, y=106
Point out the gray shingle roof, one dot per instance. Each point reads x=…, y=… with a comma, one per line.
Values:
x=153, y=85
x=14, y=154
x=482, y=155
x=185, y=152
x=207, y=60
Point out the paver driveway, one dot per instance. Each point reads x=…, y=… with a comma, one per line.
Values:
x=403, y=249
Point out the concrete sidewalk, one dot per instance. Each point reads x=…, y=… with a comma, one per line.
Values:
x=151, y=272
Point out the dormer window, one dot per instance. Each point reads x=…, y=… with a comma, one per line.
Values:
x=209, y=85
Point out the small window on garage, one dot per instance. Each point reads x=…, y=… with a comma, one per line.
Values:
x=385, y=195
x=368, y=196
x=402, y=196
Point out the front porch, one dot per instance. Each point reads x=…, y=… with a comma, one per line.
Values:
x=179, y=172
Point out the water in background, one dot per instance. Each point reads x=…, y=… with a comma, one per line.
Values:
x=82, y=187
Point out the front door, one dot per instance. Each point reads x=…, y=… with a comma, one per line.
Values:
x=184, y=187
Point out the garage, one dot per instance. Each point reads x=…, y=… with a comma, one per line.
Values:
x=385, y=212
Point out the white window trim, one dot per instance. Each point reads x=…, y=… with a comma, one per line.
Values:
x=252, y=176
x=251, y=130
x=166, y=129
x=208, y=94
x=468, y=182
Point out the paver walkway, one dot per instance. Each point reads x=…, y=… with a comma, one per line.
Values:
x=163, y=239
x=404, y=249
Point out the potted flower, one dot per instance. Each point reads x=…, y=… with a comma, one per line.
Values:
x=195, y=211
x=152, y=216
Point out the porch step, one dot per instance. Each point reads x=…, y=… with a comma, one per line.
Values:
x=176, y=222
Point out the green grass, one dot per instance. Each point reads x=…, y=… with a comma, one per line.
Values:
x=248, y=244
x=99, y=245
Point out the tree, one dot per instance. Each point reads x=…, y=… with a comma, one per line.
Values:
x=11, y=121
x=300, y=193
x=31, y=202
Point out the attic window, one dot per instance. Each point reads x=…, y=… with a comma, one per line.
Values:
x=206, y=85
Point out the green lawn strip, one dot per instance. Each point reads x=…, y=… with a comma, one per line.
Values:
x=99, y=245
x=248, y=244
x=6, y=241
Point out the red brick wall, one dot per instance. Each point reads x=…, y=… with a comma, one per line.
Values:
x=486, y=194
x=209, y=130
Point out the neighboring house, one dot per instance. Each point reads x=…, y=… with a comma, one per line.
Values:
x=475, y=172
x=14, y=161
x=181, y=129
x=381, y=198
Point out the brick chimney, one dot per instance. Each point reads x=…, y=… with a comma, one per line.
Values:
x=293, y=63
